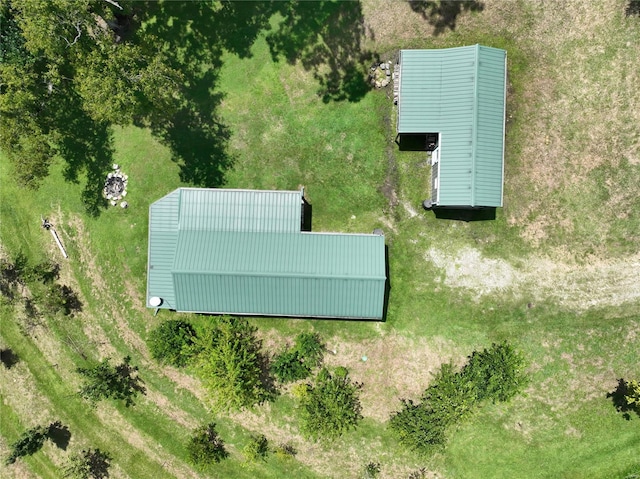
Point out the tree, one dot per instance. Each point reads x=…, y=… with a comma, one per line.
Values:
x=257, y=448
x=330, y=406
x=296, y=363
x=104, y=381
x=29, y=443
x=495, y=374
x=205, y=446
x=230, y=363
x=89, y=464
x=172, y=342
x=69, y=70
x=422, y=426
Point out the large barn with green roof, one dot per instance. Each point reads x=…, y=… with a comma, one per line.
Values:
x=454, y=100
x=243, y=252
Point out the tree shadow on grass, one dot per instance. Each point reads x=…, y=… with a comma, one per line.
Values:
x=619, y=401
x=443, y=15
x=195, y=43
x=326, y=37
x=59, y=435
x=8, y=358
x=87, y=147
x=632, y=8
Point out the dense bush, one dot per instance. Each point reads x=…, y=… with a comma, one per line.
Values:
x=256, y=449
x=172, y=342
x=205, y=446
x=296, y=363
x=289, y=366
x=230, y=363
x=495, y=374
x=331, y=406
x=29, y=443
x=310, y=348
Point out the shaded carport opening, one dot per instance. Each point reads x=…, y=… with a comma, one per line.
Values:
x=417, y=141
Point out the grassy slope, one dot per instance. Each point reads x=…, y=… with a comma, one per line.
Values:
x=283, y=137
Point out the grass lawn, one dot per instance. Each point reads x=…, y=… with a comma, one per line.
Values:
x=556, y=273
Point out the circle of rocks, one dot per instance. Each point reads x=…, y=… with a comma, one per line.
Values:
x=115, y=187
x=380, y=75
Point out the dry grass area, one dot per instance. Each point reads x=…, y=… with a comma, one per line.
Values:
x=598, y=283
x=579, y=139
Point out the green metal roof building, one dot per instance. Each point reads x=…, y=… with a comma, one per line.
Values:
x=456, y=97
x=243, y=252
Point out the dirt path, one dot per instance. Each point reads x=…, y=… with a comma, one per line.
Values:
x=572, y=286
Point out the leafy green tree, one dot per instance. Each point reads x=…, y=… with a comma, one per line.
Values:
x=172, y=342
x=495, y=374
x=89, y=464
x=104, y=381
x=29, y=443
x=230, y=363
x=58, y=298
x=205, y=446
x=422, y=426
x=284, y=451
x=257, y=449
x=70, y=69
x=330, y=406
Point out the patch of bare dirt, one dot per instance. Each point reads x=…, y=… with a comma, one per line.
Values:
x=390, y=368
x=575, y=287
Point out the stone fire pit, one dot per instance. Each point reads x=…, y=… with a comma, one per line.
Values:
x=115, y=187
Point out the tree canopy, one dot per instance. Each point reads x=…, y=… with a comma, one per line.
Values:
x=230, y=364
x=104, y=381
x=70, y=69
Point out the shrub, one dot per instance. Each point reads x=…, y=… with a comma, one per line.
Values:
x=205, y=446
x=90, y=464
x=310, y=348
x=284, y=451
x=371, y=470
x=331, y=406
x=496, y=373
x=104, y=381
x=172, y=342
x=29, y=443
x=257, y=448
x=59, y=298
x=288, y=367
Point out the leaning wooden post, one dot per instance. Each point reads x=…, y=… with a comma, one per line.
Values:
x=48, y=226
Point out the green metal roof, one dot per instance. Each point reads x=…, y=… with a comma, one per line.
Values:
x=211, y=210
x=460, y=94
x=242, y=252
x=304, y=274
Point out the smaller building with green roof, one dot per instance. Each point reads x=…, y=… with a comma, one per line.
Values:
x=453, y=100
x=243, y=252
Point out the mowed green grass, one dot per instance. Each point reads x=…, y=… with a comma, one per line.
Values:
x=284, y=137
